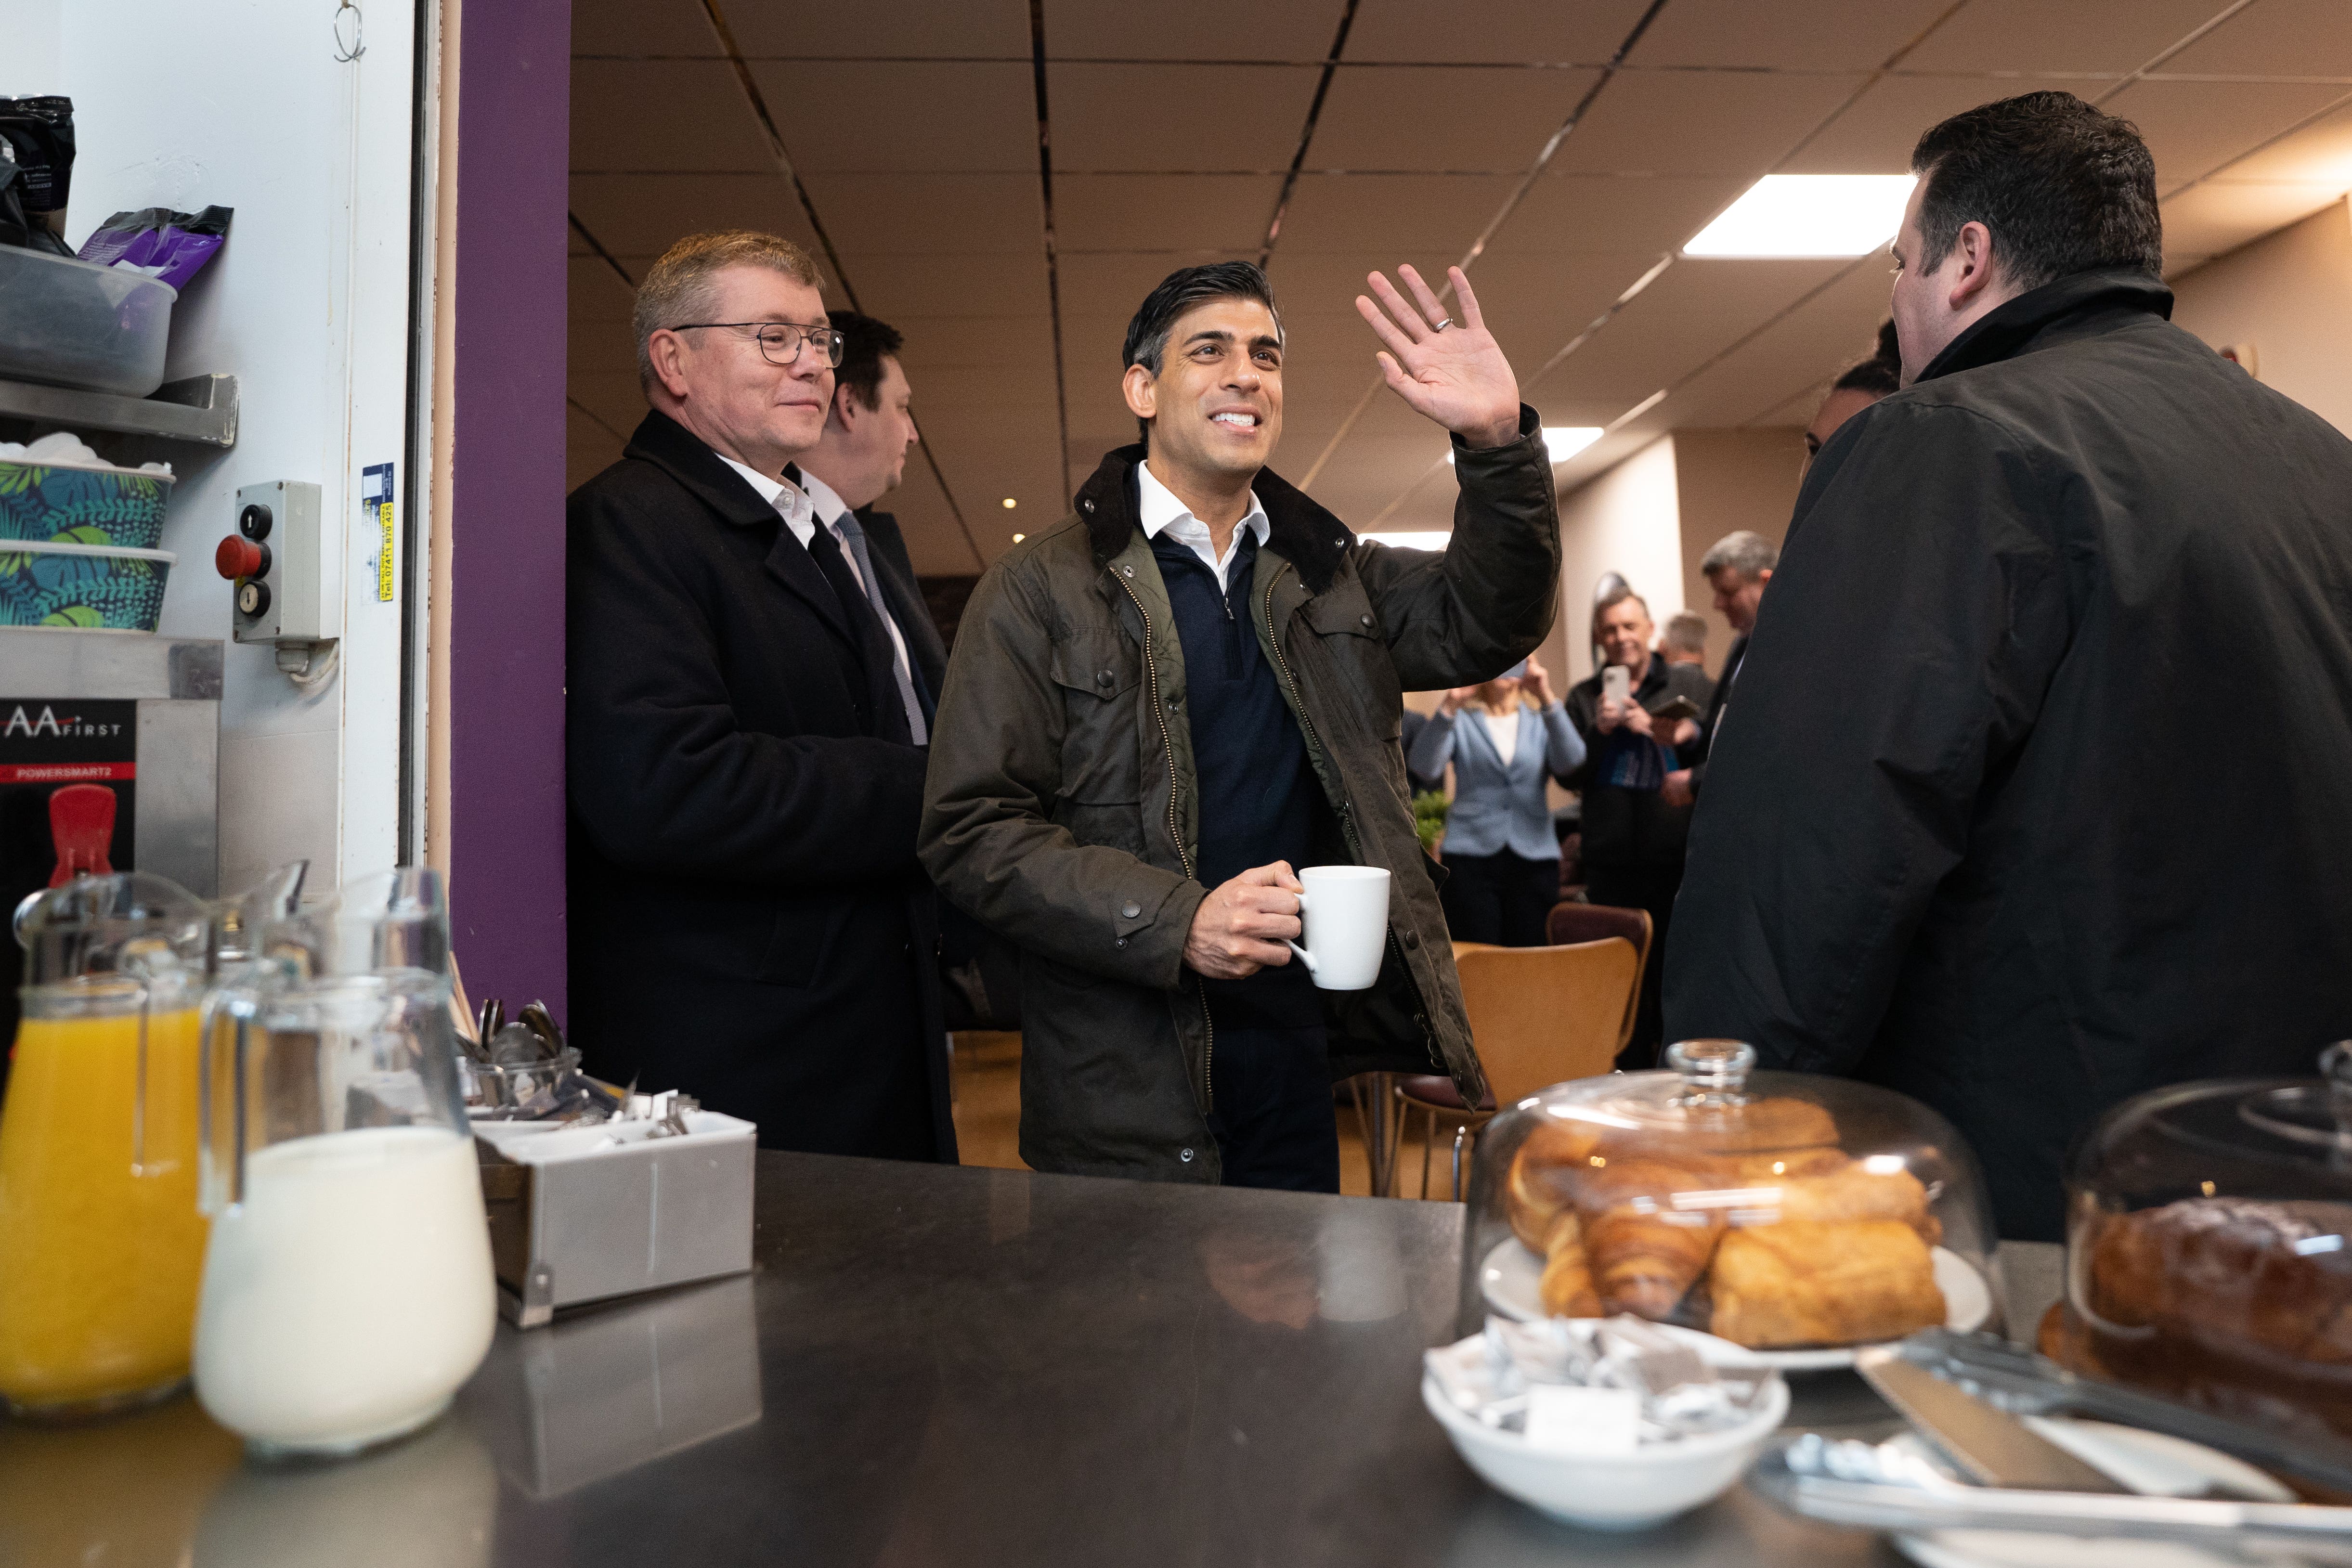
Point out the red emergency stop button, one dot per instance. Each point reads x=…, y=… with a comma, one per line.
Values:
x=238, y=558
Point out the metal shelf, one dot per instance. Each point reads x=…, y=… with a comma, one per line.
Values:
x=200, y=409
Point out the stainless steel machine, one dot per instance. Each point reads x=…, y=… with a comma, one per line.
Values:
x=109, y=760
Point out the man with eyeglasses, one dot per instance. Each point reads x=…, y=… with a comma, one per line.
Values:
x=748, y=920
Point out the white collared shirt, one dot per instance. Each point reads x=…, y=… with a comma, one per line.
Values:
x=803, y=506
x=1160, y=512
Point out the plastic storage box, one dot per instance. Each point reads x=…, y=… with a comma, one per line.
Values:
x=76, y=324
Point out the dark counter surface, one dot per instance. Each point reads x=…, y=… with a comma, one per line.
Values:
x=927, y=1366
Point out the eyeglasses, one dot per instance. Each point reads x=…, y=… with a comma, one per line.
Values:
x=780, y=341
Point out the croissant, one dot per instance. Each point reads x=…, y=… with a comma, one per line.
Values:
x=1566, y=1287
x=1646, y=1251
x=1818, y=1283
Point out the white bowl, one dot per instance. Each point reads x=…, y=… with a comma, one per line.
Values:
x=1627, y=1491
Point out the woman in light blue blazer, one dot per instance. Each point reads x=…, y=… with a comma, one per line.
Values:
x=1504, y=739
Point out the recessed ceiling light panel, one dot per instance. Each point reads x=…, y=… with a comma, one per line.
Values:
x=1806, y=215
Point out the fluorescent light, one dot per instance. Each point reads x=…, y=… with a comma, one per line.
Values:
x=1561, y=441
x=1808, y=214
x=1410, y=541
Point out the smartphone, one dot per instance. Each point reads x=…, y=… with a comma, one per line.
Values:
x=1517, y=671
x=1616, y=684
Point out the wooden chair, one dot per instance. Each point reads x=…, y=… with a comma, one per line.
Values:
x=1537, y=1015
x=1579, y=922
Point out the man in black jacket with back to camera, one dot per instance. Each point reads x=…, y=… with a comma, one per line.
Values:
x=743, y=734
x=2034, y=793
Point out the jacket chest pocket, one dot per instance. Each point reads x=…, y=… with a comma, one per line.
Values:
x=1099, y=675
x=1349, y=639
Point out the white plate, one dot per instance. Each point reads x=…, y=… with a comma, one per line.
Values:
x=1512, y=1281
x=2150, y=1463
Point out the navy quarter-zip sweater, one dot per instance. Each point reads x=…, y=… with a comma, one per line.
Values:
x=1259, y=794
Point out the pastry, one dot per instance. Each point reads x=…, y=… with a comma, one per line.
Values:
x=1824, y=1186
x=1646, y=1249
x=2227, y=1270
x=1777, y=1286
x=1566, y=1287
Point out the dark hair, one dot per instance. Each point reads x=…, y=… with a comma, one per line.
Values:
x=2062, y=187
x=1180, y=290
x=864, y=342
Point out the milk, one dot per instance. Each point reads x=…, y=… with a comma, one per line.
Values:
x=350, y=1294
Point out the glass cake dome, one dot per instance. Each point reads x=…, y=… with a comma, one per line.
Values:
x=2208, y=1249
x=1798, y=1216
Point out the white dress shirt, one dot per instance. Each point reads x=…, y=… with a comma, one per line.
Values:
x=1503, y=728
x=1161, y=512
x=803, y=506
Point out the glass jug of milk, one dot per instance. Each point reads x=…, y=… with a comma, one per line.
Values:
x=347, y=1287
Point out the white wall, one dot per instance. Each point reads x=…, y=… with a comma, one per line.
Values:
x=1628, y=520
x=242, y=103
x=2289, y=295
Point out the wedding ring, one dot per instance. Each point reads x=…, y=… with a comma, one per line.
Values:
x=1442, y=325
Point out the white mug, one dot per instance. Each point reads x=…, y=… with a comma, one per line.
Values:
x=1345, y=912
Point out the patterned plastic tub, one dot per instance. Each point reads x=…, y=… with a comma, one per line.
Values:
x=84, y=587
x=118, y=508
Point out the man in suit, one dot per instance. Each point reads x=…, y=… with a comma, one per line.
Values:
x=859, y=457
x=747, y=922
x=1738, y=567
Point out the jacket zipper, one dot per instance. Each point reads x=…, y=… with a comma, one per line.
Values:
x=1175, y=832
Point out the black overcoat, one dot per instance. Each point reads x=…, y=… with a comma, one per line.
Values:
x=748, y=921
x=2036, y=789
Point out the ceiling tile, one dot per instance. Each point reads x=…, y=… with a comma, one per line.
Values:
x=703, y=124
x=1197, y=30
x=940, y=283
x=1824, y=35
x=1512, y=31
x=1875, y=134
x=1617, y=213
x=2034, y=35
x=611, y=396
x=1019, y=347
x=1162, y=212
x=2320, y=153
x=1694, y=310
x=2193, y=128
x=1177, y=118
x=981, y=214
x=2220, y=215
x=1381, y=216
x=597, y=293
x=901, y=110
x=641, y=215
x=641, y=28
x=1792, y=359
x=1688, y=122
x=1113, y=283
x=599, y=348
x=2273, y=38
x=928, y=29
x=1459, y=118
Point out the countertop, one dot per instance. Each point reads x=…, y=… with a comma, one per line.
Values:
x=932, y=1365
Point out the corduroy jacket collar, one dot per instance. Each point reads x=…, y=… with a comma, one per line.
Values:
x=1305, y=535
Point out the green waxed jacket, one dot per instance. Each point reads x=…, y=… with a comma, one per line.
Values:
x=1061, y=808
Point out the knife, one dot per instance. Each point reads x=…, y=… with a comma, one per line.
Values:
x=1991, y=1447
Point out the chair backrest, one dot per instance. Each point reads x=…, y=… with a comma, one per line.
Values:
x=1589, y=923
x=1541, y=1015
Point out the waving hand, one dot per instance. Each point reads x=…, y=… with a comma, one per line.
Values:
x=1450, y=371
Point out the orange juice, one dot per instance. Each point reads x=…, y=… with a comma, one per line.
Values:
x=100, y=1244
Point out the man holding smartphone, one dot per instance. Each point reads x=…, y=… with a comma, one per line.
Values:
x=1635, y=714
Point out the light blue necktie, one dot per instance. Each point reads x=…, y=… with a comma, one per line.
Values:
x=853, y=534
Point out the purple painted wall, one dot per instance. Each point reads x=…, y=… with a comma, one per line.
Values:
x=506, y=653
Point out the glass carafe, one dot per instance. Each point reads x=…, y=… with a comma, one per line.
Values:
x=101, y=1240
x=347, y=1289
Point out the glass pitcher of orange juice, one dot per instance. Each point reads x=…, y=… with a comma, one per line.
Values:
x=102, y=1245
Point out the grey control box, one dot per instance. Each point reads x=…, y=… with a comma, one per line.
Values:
x=285, y=598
